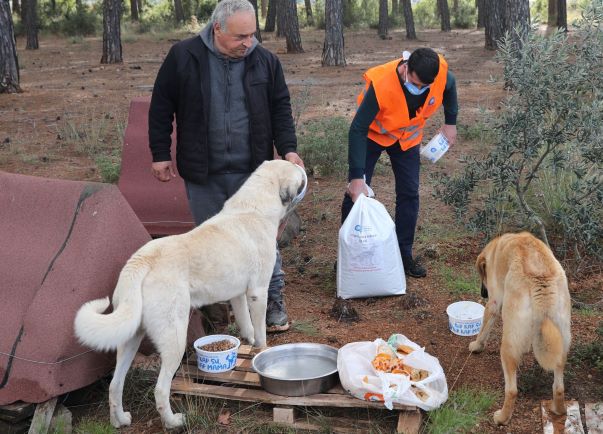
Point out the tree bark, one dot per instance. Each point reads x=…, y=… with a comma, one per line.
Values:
x=480, y=5
x=264, y=7
x=333, y=48
x=562, y=14
x=134, y=10
x=494, y=22
x=9, y=63
x=270, y=16
x=111, y=32
x=178, y=11
x=444, y=15
x=16, y=7
x=281, y=19
x=23, y=10
x=552, y=14
x=291, y=27
x=309, y=16
x=455, y=6
x=517, y=18
x=409, y=20
x=395, y=7
x=31, y=25
x=383, y=19
x=258, y=35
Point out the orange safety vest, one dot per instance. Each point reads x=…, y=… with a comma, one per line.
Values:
x=393, y=124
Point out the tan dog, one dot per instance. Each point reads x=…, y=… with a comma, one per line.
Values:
x=229, y=257
x=524, y=280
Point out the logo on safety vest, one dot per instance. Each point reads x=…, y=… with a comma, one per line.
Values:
x=432, y=100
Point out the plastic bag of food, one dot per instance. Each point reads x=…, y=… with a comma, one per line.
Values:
x=397, y=371
x=368, y=261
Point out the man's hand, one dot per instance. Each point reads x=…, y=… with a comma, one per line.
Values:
x=449, y=132
x=356, y=188
x=163, y=170
x=294, y=158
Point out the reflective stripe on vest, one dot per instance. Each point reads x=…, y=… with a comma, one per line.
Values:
x=393, y=124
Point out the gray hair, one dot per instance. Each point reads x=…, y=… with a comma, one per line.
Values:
x=227, y=8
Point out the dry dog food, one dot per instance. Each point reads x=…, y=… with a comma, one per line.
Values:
x=217, y=346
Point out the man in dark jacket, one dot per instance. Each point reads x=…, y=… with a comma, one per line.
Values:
x=232, y=107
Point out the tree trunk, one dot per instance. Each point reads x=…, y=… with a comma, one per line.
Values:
x=333, y=48
x=16, y=7
x=291, y=27
x=480, y=5
x=258, y=35
x=395, y=7
x=178, y=11
x=23, y=10
x=552, y=14
x=409, y=20
x=111, y=32
x=31, y=25
x=494, y=22
x=455, y=7
x=9, y=64
x=444, y=15
x=309, y=16
x=281, y=12
x=264, y=7
x=270, y=16
x=517, y=18
x=383, y=19
x=134, y=10
x=139, y=6
x=562, y=14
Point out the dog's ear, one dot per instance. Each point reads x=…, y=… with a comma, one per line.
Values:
x=480, y=265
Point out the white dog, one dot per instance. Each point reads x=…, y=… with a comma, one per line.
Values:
x=229, y=257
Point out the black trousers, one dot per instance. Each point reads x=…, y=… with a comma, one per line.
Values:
x=406, y=167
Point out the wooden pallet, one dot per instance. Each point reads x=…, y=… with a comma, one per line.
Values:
x=243, y=384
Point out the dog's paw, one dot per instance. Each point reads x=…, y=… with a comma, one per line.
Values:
x=123, y=418
x=175, y=421
x=476, y=347
x=500, y=418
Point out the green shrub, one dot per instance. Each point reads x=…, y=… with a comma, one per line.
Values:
x=545, y=171
x=323, y=143
x=465, y=17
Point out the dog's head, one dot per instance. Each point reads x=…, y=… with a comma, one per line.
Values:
x=291, y=180
x=481, y=264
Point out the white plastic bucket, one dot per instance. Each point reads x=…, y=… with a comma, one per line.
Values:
x=216, y=361
x=465, y=318
x=435, y=148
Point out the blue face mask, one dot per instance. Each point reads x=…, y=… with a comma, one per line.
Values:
x=413, y=88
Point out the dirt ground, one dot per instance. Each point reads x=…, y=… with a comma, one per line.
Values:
x=64, y=84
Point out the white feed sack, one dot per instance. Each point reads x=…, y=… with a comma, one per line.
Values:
x=369, y=262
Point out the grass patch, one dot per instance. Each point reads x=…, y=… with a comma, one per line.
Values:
x=91, y=426
x=589, y=354
x=463, y=410
x=306, y=327
x=109, y=166
x=460, y=283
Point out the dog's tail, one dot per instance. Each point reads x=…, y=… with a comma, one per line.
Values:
x=549, y=345
x=107, y=332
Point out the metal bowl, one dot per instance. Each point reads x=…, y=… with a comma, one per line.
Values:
x=297, y=369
